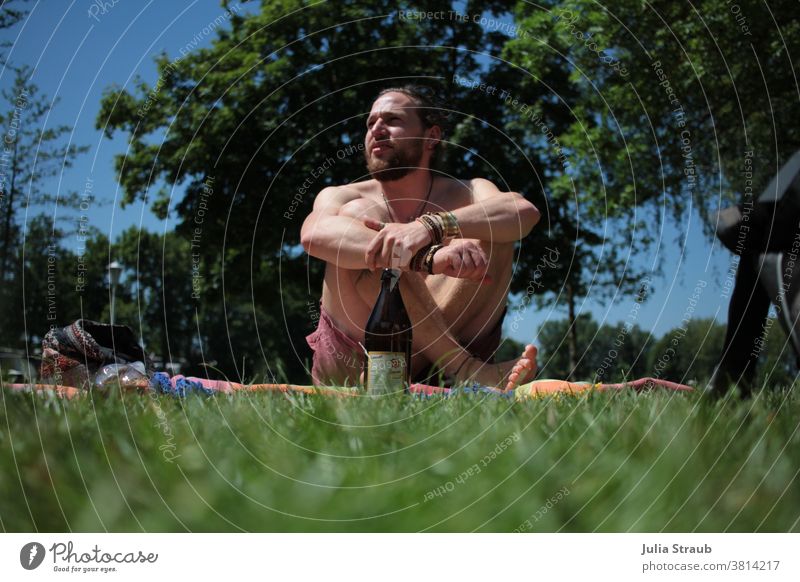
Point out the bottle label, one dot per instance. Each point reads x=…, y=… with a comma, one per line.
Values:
x=386, y=372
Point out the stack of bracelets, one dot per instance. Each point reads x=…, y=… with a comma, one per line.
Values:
x=440, y=225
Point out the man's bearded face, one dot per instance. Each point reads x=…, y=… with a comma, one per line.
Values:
x=395, y=138
x=403, y=158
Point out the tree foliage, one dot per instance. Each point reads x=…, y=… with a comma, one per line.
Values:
x=36, y=271
x=661, y=108
x=612, y=119
x=607, y=353
x=271, y=113
x=31, y=153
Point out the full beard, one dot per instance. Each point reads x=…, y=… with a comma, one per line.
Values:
x=399, y=164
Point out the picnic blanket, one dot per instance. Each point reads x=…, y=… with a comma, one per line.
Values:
x=89, y=356
x=182, y=386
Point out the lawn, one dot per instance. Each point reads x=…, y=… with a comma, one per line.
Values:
x=273, y=462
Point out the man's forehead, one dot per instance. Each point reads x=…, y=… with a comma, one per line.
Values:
x=392, y=102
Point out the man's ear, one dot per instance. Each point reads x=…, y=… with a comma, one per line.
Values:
x=434, y=136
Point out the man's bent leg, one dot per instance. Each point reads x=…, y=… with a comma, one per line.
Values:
x=486, y=347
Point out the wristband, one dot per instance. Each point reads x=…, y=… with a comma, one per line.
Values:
x=416, y=263
x=449, y=224
x=434, y=225
x=428, y=261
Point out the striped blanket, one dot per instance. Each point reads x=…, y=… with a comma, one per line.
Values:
x=181, y=386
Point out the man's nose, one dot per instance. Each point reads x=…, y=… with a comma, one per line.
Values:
x=379, y=129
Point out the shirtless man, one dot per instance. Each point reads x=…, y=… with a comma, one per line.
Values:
x=363, y=227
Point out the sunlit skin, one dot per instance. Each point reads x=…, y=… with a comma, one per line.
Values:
x=353, y=231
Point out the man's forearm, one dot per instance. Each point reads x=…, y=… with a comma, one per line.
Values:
x=501, y=219
x=341, y=240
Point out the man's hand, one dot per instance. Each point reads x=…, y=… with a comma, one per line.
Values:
x=394, y=244
x=464, y=259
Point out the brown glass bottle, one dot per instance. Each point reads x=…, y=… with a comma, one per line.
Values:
x=387, y=340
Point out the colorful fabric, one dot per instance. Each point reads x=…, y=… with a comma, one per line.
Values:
x=178, y=385
x=545, y=387
x=181, y=386
x=72, y=355
x=338, y=359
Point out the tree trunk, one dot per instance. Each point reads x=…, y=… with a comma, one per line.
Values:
x=572, y=340
x=9, y=215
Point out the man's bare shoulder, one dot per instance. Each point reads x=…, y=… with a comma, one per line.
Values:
x=347, y=192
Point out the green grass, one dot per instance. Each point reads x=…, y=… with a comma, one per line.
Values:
x=269, y=462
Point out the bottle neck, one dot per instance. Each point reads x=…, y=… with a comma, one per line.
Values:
x=389, y=279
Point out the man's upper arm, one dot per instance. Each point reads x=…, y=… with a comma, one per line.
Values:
x=327, y=203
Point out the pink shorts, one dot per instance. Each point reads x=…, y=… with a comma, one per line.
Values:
x=339, y=360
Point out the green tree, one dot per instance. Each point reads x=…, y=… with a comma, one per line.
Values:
x=11, y=12
x=608, y=353
x=556, y=359
x=655, y=107
x=155, y=295
x=239, y=136
x=30, y=253
x=689, y=352
x=31, y=153
x=38, y=293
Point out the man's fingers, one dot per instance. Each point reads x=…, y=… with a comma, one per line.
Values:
x=467, y=262
x=372, y=249
x=472, y=267
x=373, y=224
x=480, y=259
x=481, y=265
x=455, y=264
x=388, y=256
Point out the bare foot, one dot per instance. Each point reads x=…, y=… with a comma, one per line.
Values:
x=524, y=369
x=508, y=375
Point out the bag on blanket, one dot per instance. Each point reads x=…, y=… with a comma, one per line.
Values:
x=72, y=355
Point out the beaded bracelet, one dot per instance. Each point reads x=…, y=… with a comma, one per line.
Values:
x=416, y=263
x=449, y=224
x=428, y=262
x=434, y=225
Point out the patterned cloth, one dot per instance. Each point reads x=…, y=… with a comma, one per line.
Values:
x=72, y=355
x=179, y=386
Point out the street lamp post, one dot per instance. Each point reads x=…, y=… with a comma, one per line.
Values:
x=114, y=271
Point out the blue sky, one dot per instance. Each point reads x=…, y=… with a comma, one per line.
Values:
x=77, y=54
